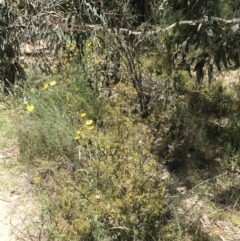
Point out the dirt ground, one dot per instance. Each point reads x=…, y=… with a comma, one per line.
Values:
x=18, y=204
x=200, y=207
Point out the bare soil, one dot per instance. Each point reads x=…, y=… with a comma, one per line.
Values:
x=18, y=209
x=200, y=206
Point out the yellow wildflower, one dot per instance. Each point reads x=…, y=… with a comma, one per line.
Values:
x=36, y=180
x=234, y=107
x=52, y=83
x=83, y=114
x=90, y=128
x=89, y=44
x=45, y=86
x=217, y=159
x=76, y=138
x=32, y=90
x=216, y=232
x=72, y=47
x=79, y=131
x=30, y=108
x=89, y=122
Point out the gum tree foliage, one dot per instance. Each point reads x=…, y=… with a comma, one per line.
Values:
x=63, y=22
x=208, y=34
x=124, y=30
x=10, y=32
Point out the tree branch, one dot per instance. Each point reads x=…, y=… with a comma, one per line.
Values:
x=151, y=32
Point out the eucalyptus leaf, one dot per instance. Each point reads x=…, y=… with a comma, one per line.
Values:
x=211, y=33
x=199, y=27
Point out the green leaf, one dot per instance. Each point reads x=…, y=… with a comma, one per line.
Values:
x=199, y=27
x=211, y=33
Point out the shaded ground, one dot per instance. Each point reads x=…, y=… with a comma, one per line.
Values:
x=212, y=206
x=217, y=221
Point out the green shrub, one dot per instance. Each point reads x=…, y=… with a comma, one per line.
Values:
x=54, y=113
x=200, y=128
x=101, y=181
